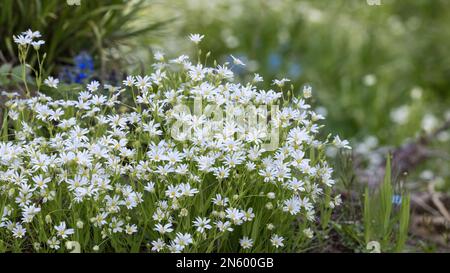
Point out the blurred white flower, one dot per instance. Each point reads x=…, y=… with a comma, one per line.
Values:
x=443, y=136
x=341, y=143
x=400, y=115
x=22, y=40
x=427, y=175
x=236, y=61
x=196, y=38
x=370, y=80
x=280, y=83
x=416, y=93
x=51, y=82
x=307, y=91
x=429, y=123
x=37, y=44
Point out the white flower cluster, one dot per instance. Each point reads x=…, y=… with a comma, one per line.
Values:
x=28, y=38
x=98, y=160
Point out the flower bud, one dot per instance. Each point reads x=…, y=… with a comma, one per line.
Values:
x=80, y=224
x=184, y=212
x=307, y=91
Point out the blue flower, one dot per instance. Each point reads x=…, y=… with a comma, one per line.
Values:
x=80, y=77
x=275, y=60
x=396, y=199
x=295, y=70
x=84, y=61
x=81, y=71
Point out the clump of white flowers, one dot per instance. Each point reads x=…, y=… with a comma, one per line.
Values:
x=111, y=176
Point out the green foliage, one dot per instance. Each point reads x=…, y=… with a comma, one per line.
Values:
x=10, y=75
x=93, y=25
x=383, y=221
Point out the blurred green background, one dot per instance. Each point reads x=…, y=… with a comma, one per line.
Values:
x=363, y=61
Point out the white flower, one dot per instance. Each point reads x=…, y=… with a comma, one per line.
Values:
x=143, y=82
x=196, y=38
x=221, y=172
x=236, y=61
x=116, y=225
x=158, y=245
x=130, y=229
x=62, y=231
x=183, y=239
x=40, y=181
x=245, y=242
x=336, y=202
x=93, y=86
x=22, y=40
x=429, y=123
x=277, y=241
x=202, y=224
x=308, y=232
x=159, y=56
x=80, y=224
x=129, y=81
x=163, y=229
x=32, y=34
x=29, y=212
x=224, y=226
x=280, y=83
x=37, y=44
x=51, y=82
x=234, y=215
x=19, y=231
x=220, y=201
x=53, y=243
x=26, y=38
x=370, y=80
x=401, y=114
x=150, y=187
x=292, y=205
x=187, y=190
x=100, y=219
x=248, y=215
x=296, y=185
x=341, y=143
x=173, y=191
x=307, y=91
x=257, y=78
